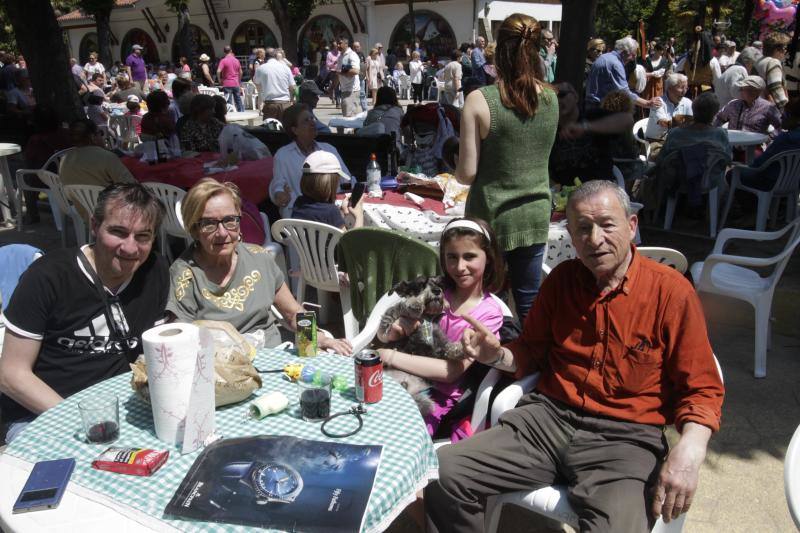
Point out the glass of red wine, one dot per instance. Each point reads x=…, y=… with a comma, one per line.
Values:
x=100, y=416
x=315, y=398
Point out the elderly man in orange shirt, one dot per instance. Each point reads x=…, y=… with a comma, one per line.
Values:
x=622, y=348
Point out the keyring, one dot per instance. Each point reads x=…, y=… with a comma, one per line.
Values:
x=357, y=411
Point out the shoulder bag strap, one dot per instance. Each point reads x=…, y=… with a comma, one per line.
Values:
x=117, y=324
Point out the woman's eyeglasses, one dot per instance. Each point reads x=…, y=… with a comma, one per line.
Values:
x=210, y=225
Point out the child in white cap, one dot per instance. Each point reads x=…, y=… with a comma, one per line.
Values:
x=318, y=186
x=134, y=108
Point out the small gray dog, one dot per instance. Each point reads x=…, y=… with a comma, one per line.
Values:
x=423, y=300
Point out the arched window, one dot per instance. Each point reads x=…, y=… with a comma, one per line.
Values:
x=142, y=38
x=434, y=34
x=89, y=44
x=252, y=34
x=320, y=32
x=201, y=43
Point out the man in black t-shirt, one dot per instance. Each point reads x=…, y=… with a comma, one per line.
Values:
x=77, y=315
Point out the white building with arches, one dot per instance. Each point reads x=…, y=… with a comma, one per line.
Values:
x=245, y=24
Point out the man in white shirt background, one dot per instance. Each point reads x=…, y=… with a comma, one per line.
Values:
x=276, y=85
x=362, y=79
x=674, y=110
x=348, y=66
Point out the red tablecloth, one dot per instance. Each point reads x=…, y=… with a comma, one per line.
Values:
x=252, y=177
x=395, y=198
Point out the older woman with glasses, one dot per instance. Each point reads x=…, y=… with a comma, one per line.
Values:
x=299, y=122
x=221, y=278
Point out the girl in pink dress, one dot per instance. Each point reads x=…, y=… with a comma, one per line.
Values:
x=473, y=269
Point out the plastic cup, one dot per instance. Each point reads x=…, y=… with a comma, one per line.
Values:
x=100, y=417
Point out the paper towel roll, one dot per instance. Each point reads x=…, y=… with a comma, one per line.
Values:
x=170, y=352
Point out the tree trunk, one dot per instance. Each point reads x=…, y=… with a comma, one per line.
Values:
x=716, y=9
x=289, y=41
x=287, y=37
x=103, y=22
x=39, y=39
x=412, y=25
x=289, y=22
x=656, y=24
x=186, y=46
x=749, y=6
x=577, y=27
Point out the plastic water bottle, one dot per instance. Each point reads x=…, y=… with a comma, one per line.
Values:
x=373, y=176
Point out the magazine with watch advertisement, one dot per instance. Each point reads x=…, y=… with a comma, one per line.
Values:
x=279, y=482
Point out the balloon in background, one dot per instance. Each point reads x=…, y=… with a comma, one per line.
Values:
x=775, y=15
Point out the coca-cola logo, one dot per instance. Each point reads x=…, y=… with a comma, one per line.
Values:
x=376, y=379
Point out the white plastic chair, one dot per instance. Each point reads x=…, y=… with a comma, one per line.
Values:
x=210, y=91
x=250, y=95
x=404, y=92
x=791, y=477
x=733, y=276
x=172, y=224
x=666, y=256
x=53, y=164
x=273, y=248
x=786, y=186
x=638, y=133
x=370, y=329
x=110, y=140
x=439, y=90
x=314, y=244
x=124, y=127
x=552, y=502
x=84, y=195
x=65, y=208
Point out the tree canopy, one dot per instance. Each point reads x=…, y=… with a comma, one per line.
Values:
x=669, y=18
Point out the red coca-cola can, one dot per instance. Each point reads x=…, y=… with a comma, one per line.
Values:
x=369, y=376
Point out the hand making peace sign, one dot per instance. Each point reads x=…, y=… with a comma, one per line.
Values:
x=480, y=343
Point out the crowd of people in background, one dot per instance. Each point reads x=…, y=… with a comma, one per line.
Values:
x=621, y=85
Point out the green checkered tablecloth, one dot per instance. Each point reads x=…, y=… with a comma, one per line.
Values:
x=407, y=463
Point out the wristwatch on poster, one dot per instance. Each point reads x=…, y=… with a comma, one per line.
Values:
x=271, y=482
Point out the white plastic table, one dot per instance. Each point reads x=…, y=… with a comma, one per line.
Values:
x=7, y=190
x=250, y=116
x=353, y=122
x=428, y=226
x=748, y=140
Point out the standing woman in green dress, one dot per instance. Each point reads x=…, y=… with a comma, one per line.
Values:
x=507, y=130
